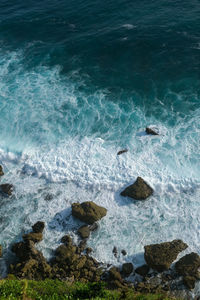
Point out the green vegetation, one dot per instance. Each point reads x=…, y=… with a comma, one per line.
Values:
x=13, y=289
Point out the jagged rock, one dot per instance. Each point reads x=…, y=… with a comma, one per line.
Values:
x=160, y=256
x=88, y=212
x=151, y=131
x=1, y=171
x=122, y=151
x=127, y=269
x=32, y=264
x=33, y=236
x=88, y=250
x=0, y=251
x=66, y=239
x=115, y=251
x=139, y=190
x=143, y=270
x=6, y=188
x=38, y=227
x=123, y=252
x=189, y=282
x=188, y=265
x=84, y=232
x=82, y=245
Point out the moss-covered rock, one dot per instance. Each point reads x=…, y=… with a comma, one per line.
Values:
x=139, y=190
x=88, y=212
x=36, y=237
x=160, y=256
x=188, y=265
x=84, y=232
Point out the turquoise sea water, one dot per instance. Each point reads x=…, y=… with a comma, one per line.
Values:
x=79, y=81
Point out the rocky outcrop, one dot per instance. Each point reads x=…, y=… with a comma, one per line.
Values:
x=151, y=131
x=88, y=212
x=31, y=262
x=122, y=151
x=160, y=256
x=6, y=188
x=1, y=171
x=69, y=261
x=139, y=190
x=188, y=266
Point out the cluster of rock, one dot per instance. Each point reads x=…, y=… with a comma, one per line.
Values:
x=159, y=257
x=73, y=262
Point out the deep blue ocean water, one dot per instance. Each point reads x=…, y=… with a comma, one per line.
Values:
x=79, y=81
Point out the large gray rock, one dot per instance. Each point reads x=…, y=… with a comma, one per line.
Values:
x=88, y=212
x=160, y=256
x=139, y=190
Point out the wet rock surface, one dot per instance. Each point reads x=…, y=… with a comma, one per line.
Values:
x=0, y=251
x=1, y=171
x=151, y=131
x=122, y=151
x=139, y=190
x=127, y=269
x=38, y=227
x=160, y=256
x=6, y=188
x=84, y=232
x=88, y=212
x=142, y=270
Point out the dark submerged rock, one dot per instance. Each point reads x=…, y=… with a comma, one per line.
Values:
x=188, y=265
x=84, y=231
x=127, y=269
x=139, y=190
x=143, y=270
x=151, y=131
x=1, y=171
x=160, y=256
x=0, y=251
x=6, y=188
x=123, y=252
x=88, y=212
x=122, y=151
x=38, y=227
x=115, y=251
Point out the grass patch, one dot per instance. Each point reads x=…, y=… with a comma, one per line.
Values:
x=61, y=290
